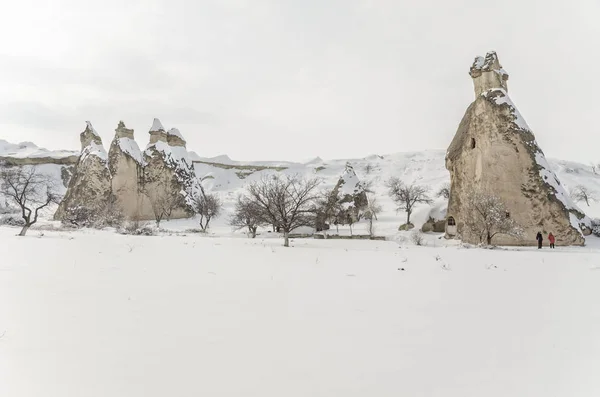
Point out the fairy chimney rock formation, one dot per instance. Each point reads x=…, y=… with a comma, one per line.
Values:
x=494, y=152
x=487, y=74
x=89, y=187
x=133, y=180
x=351, y=193
x=126, y=167
x=174, y=138
x=157, y=132
x=169, y=170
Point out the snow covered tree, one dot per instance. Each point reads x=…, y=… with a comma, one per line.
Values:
x=247, y=214
x=444, y=191
x=30, y=190
x=582, y=193
x=489, y=217
x=407, y=196
x=373, y=209
x=207, y=206
x=288, y=202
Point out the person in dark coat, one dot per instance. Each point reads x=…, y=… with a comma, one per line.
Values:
x=539, y=239
x=552, y=239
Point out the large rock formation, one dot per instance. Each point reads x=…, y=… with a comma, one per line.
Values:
x=494, y=152
x=351, y=193
x=135, y=182
x=89, y=188
x=169, y=170
x=126, y=165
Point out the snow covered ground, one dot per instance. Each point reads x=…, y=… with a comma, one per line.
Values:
x=92, y=313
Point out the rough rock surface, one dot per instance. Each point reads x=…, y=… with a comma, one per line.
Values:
x=130, y=179
x=126, y=166
x=494, y=151
x=168, y=170
x=89, y=187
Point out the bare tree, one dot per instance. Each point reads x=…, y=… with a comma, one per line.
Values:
x=288, y=202
x=163, y=201
x=247, y=214
x=444, y=191
x=595, y=168
x=373, y=209
x=30, y=190
x=488, y=217
x=582, y=193
x=407, y=196
x=207, y=206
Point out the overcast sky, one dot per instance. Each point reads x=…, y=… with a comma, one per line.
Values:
x=295, y=79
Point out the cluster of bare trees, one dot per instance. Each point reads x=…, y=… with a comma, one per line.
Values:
x=30, y=190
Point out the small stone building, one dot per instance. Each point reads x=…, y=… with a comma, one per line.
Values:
x=494, y=152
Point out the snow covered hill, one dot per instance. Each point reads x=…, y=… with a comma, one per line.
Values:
x=228, y=178
x=426, y=168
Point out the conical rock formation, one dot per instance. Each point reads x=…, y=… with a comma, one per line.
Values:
x=169, y=170
x=89, y=188
x=126, y=168
x=494, y=152
x=351, y=193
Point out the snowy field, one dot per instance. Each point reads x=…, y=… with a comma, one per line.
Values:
x=91, y=313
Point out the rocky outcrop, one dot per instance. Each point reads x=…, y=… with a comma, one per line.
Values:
x=130, y=181
x=168, y=170
x=351, y=193
x=89, y=188
x=126, y=166
x=494, y=152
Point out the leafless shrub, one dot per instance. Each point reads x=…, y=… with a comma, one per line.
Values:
x=489, y=217
x=417, y=238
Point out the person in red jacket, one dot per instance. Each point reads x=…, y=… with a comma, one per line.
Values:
x=552, y=239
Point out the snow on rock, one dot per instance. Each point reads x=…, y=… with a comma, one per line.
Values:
x=91, y=144
x=349, y=182
x=157, y=126
x=176, y=132
x=91, y=128
x=500, y=97
x=579, y=220
x=487, y=73
x=129, y=146
x=94, y=149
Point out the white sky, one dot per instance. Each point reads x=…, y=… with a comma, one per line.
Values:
x=293, y=79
